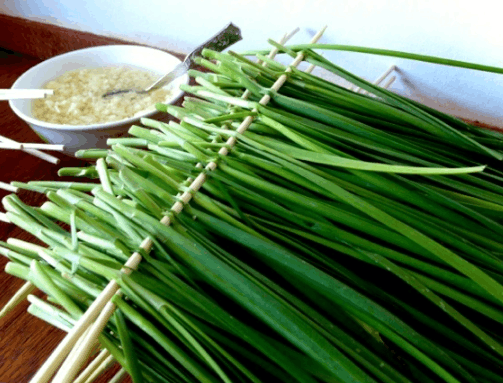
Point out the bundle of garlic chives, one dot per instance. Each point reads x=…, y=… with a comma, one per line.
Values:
x=70, y=368
x=300, y=252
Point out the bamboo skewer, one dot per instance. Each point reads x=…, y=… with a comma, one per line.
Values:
x=390, y=82
x=102, y=368
x=379, y=79
x=271, y=55
x=62, y=350
x=33, y=152
x=74, y=353
x=21, y=146
x=103, y=357
x=274, y=51
x=310, y=68
x=16, y=94
x=102, y=305
x=119, y=377
x=385, y=74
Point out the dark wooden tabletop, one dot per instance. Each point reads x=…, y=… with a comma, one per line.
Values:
x=25, y=341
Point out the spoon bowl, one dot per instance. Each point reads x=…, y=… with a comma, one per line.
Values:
x=223, y=39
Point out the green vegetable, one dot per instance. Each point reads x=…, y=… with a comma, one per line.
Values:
x=343, y=238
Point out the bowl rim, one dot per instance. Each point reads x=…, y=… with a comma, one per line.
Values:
x=98, y=126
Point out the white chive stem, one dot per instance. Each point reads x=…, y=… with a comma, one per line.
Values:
x=17, y=298
x=8, y=187
x=3, y=218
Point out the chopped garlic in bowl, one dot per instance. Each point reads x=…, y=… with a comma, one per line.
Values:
x=78, y=96
x=76, y=125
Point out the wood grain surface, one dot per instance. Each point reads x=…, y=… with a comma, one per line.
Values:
x=25, y=341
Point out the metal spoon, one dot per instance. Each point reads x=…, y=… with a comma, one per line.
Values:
x=223, y=39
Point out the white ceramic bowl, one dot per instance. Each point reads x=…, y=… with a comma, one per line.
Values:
x=76, y=137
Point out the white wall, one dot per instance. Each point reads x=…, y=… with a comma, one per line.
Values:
x=462, y=29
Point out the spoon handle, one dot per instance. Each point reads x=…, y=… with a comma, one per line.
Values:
x=176, y=72
x=223, y=39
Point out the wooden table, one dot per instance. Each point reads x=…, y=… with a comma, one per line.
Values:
x=25, y=341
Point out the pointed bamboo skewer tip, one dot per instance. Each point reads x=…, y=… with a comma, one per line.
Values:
x=379, y=79
x=390, y=82
x=385, y=74
x=290, y=35
x=271, y=55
